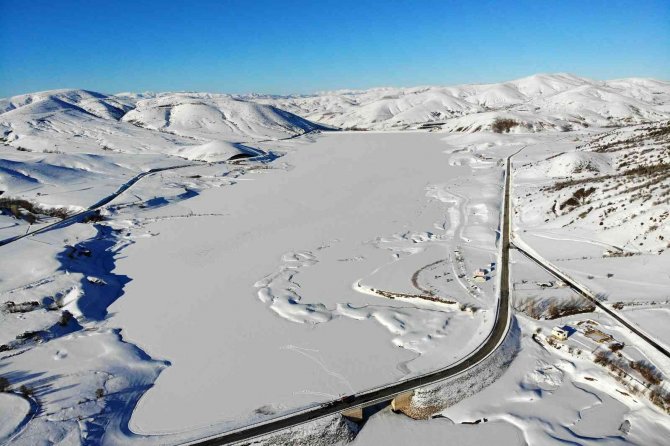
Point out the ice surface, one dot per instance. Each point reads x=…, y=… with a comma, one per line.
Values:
x=304, y=237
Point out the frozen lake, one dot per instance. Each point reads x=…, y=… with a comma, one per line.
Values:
x=298, y=237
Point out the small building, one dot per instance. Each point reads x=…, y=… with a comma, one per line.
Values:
x=480, y=279
x=480, y=273
x=559, y=333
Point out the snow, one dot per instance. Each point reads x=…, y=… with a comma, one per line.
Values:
x=14, y=410
x=280, y=267
x=65, y=374
x=215, y=151
x=652, y=321
x=570, y=163
x=556, y=398
x=390, y=429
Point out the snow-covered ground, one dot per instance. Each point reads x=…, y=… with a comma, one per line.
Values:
x=600, y=213
x=551, y=396
x=234, y=289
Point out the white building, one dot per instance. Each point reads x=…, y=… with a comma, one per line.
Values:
x=559, y=333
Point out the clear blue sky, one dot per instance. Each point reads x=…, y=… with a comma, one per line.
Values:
x=287, y=46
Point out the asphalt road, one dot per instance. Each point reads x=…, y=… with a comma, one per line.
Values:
x=582, y=291
x=387, y=393
x=91, y=209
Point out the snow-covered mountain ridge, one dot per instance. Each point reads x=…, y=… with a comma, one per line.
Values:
x=543, y=101
x=84, y=121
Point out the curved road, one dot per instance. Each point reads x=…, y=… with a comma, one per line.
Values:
x=388, y=392
x=91, y=209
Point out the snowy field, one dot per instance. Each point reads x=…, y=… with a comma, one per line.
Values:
x=275, y=265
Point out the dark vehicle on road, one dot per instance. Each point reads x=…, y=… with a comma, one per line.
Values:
x=340, y=400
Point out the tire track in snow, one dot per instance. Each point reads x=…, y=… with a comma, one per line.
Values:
x=304, y=351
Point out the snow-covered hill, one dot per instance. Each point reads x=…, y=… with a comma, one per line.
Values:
x=60, y=140
x=97, y=104
x=616, y=186
x=544, y=101
x=215, y=116
x=71, y=121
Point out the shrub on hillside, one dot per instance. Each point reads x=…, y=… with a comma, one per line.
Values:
x=26, y=391
x=647, y=371
x=659, y=397
x=15, y=206
x=539, y=308
x=602, y=358
x=503, y=125
x=65, y=318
